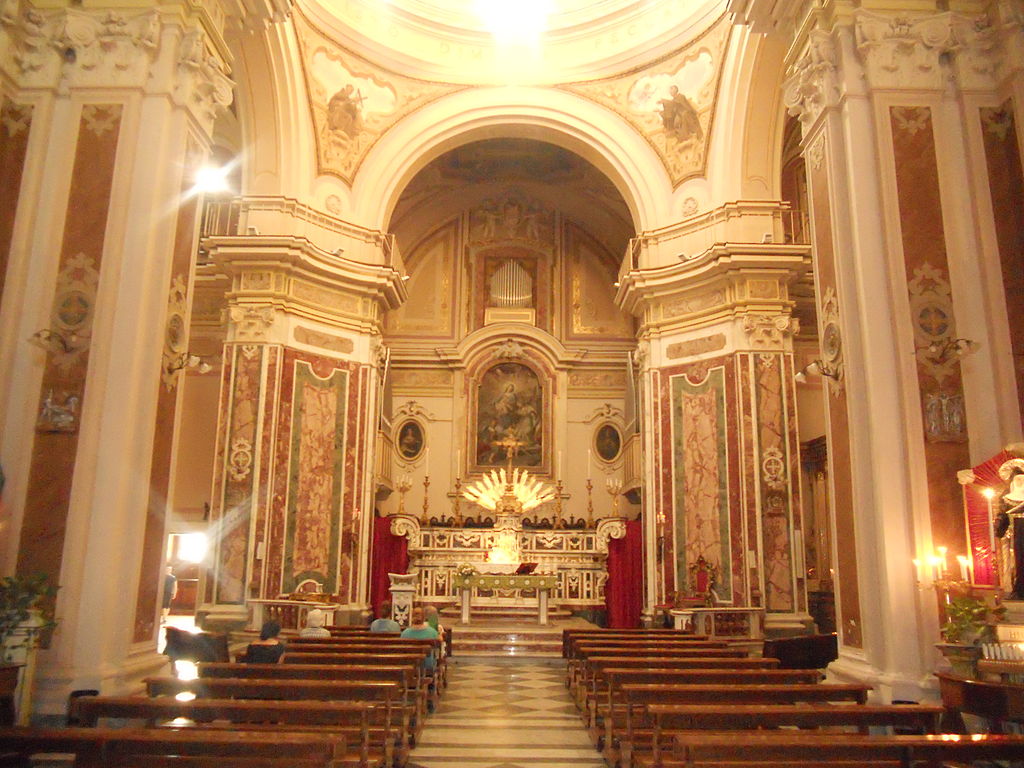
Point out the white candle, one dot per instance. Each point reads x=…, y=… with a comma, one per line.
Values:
x=559, y=465
x=945, y=563
x=589, y=452
x=458, y=461
x=426, y=462
x=917, y=570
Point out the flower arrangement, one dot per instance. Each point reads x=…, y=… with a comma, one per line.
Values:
x=970, y=620
x=466, y=570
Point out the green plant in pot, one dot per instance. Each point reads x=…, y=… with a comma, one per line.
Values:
x=26, y=612
x=970, y=621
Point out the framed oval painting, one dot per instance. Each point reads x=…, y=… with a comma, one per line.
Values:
x=607, y=442
x=409, y=442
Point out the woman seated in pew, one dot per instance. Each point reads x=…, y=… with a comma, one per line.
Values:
x=385, y=623
x=268, y=649
x=418, y=629
x=433, y=619
x=315, y=621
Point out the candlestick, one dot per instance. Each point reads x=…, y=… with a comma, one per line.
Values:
x=458, y=507
x=558, y=499
x=404, y=484
x=426, y=500
x=590, y=501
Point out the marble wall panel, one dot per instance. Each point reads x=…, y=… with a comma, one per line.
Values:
x=841, y=471
x=62, y=395
x=932, y=318
x=15, y=125
x=151, y=567
x=233, y=511
x=1006, y=186
x=316, y=482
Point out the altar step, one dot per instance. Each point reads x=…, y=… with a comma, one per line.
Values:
x=516, y=639
x=451, y=614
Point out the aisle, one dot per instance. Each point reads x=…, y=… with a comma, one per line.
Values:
x=505, y=715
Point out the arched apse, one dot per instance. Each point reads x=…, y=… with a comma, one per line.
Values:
x=585, y=128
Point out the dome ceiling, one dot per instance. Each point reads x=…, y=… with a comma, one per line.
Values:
x=452, y=40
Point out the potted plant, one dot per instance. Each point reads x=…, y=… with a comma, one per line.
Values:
x=969, y=623
x=26, y=612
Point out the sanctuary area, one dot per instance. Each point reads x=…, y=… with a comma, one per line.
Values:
x=699, y=317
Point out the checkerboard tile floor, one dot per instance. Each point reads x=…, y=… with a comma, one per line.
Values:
x=516, y=714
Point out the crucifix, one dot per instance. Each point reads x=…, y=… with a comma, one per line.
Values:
x=511, y=446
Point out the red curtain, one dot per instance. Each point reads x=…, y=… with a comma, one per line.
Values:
x=986, y=475
x=624, y=590
x=390, y=555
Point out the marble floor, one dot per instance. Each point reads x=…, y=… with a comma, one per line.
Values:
x=505, y=714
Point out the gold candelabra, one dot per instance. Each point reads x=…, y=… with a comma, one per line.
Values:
x=425, y=517
x=558, y=522
x=614, y=487
x=590, y=501
x=403, y=485
x=457, y=510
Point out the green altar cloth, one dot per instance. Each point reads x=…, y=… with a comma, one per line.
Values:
x=507, y=581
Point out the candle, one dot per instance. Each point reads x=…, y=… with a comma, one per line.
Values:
x=458, y=461
x=963, y=567
x=589, y=452
x=917, y=570
x=936, y=563
x=945, y=564
x=426, y=462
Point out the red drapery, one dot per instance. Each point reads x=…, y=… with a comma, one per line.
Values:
x=624, y=590
x=986, y=475
x=390, y=555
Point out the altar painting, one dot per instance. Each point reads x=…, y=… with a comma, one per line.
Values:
x=315, y=477
x=700, y=473
x=510, y=406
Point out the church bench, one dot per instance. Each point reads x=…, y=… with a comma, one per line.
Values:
x=592, y=667
x=387, y=694
x=343, y=655
x=122, y=747
x=386, y=647
x=569, y=634
x=620, y=722
x=669, y=720
x=614, y=678
x=584, y=651
x=717, y=749
x=349, y=724
x=406, y=674
x=996, y=702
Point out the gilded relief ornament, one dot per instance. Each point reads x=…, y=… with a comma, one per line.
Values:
x=832, y=340
x=931, y=308
x=175, y=331
x=73, y=308
x=240, y=459
x=672, y=102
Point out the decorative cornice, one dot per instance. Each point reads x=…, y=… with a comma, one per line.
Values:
x=162, y=52
x=813, y=85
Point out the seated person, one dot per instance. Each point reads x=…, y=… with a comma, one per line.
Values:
x=418, y=629
x=268, y=649
x=315, y=621
x=433, y=619
x=385, y=623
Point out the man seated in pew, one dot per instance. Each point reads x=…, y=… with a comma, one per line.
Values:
x=315, y=621
x=418, y=629
x=385, y=623
x=269, y=648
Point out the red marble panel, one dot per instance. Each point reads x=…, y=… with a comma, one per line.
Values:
x=793, y=451
x=220, y=454
x=257, y=580
x=927, y=270
x=1006, y=186
x=15, y=124
x=840, y=467
x=62, y=395
x=151, y=567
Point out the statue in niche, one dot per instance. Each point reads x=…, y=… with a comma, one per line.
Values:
x=1010, y=520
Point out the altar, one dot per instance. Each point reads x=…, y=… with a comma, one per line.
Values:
x=541, y=583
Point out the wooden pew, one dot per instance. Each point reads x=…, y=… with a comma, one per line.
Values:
x=627, y=718
x=716, y=749
x=363, y=657
x=569, y=634
x=386, y=694
x=412, y=706
x=591, y=681
x=997, y=702
x=122, y=747
x=671, y=719
x=617, y=677
x=580, y=653
x=343, y=723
